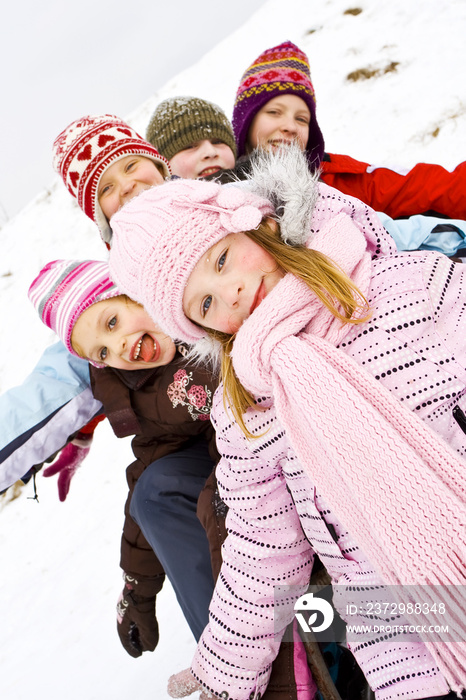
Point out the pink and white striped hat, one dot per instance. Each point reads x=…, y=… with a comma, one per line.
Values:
x=63, y=289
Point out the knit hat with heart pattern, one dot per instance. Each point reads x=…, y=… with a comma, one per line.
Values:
x=85, y=149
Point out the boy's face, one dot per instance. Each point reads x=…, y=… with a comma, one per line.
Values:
x=281, y=120
x=124, y=179
x=119, y=333
x=202, y=158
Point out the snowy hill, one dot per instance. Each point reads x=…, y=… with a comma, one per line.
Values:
x=390, y=89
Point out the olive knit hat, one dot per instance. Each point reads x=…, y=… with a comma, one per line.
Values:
x=181, y=121
x=63, y=289
x=159, y=236
x=281, y=70
x=84, y=150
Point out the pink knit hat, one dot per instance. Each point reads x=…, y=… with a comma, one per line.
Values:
x=85, y=149
x=63, y=289
x=159, y=236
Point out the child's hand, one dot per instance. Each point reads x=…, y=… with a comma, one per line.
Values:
x=184, y=683
x=137, y=624
x=70, y=458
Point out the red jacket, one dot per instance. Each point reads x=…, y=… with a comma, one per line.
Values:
x=426, y=188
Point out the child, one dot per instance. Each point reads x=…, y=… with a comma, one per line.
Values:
x=104, y=163
x=316, y=454
x=260, y=119
x=166, y=403
x=194, y=135
x=169, y=400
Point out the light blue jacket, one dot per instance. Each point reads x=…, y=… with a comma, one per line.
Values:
x=38, y=417
x=426, y=233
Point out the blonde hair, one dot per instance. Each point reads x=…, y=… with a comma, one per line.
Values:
x=328, y=282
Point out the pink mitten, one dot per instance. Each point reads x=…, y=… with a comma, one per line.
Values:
x=184, y=683
x=70, y=458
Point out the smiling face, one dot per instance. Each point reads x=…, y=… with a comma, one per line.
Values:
x=281, y=120
x=119, y=333
x=229, y=282
x=202, y=158
x=124, y=179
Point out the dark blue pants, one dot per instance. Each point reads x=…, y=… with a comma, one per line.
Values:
x=164, y=506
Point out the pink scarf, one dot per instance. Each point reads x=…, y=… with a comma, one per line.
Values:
x=396, y=486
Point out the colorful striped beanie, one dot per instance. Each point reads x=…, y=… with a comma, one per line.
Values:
x=85, y=149
x=281, y=70
x=63, y=289
x=181, y=121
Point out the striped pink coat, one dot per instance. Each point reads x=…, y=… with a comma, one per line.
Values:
x=275, y=523
x=414, y=344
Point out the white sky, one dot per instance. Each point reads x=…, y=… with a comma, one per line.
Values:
x=60, y=60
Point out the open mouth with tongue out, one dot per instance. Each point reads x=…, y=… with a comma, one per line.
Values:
x=146, y=349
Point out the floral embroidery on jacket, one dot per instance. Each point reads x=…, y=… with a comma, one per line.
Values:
x=197, y=399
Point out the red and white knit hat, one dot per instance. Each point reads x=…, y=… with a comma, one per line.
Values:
x=159, y=236
x=63, y=289
x=85, y=149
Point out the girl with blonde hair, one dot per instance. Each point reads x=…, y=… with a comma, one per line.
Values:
x=340, y=421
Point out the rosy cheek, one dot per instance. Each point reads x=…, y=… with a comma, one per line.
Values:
x=233, y=323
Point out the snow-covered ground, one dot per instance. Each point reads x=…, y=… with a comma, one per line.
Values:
x=60, y=574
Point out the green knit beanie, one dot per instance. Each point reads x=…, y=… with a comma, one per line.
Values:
x=180, y=121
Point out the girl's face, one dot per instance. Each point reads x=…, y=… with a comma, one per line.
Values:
x=124, y=179
x=283, y=119
x=119, y=333
x=229, y=282
x=202, y=158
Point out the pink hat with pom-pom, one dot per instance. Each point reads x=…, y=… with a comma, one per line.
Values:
x=159, y=236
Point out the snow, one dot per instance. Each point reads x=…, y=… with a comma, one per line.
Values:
x=61, y=577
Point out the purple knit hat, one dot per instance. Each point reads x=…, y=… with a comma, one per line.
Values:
x=85, y=149
x=159, y=236
x=63, y=289
x=281, y=70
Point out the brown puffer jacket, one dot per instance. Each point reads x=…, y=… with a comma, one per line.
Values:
x=166, y=408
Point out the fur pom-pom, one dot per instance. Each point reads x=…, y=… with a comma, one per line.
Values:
x=283, y=177
x=206, y=351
